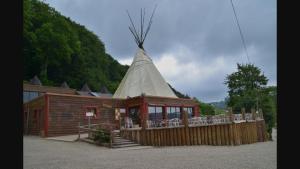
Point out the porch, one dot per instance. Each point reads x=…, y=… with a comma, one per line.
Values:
x=231, y=129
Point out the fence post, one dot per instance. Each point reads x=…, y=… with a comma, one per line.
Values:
x=253, y=113
x=143, y=131
x=185, y=119
x=243, y=113
x=186, y=127
x=78, y=130
x=230, y=114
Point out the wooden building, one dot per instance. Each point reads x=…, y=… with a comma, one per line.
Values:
x=54, y=114
x=34, y=89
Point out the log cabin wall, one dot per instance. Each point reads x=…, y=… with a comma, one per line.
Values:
x=34, y=116
x=60, y=114
x=66, y=111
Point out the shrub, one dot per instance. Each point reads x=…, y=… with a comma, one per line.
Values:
x=101, y=136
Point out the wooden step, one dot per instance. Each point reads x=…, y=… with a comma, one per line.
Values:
x=119, y=139
x=125, y=145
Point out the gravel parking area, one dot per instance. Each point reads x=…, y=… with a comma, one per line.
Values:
x=40, y=153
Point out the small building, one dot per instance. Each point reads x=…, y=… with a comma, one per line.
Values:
x=54, y=114
x=34, y=89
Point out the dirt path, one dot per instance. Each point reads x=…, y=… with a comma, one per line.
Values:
x=48, y=154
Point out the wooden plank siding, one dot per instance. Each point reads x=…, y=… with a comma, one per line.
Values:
x=66, y=111
x=222, y=134
x=35, y=115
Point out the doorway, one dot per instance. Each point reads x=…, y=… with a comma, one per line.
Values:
x=134, y=115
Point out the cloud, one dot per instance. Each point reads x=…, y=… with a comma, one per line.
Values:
x=194, y=44
x=125, y=61
x=180, y=72
x=194, y=78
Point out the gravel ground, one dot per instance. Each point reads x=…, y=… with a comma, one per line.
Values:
x=48, y=154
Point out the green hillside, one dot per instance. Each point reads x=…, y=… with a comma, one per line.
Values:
x=57, y=49
x=219, y=105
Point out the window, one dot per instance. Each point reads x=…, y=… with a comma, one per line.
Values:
x=190, y=111
x=118, y=112
x=173, y=112
x=27, y=96
x=94, y=111
x=122, y=110
x=155, y=113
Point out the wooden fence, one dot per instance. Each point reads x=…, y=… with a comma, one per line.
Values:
x=93, y=128
x=216, y=134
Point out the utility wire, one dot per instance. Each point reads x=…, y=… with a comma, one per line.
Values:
x=242, y=37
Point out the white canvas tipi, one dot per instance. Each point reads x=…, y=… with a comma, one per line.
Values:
x=142, y=77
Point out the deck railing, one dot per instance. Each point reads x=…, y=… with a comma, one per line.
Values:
x=199, y=121
x=231, y=129
x=93, y=128
x=212, y=134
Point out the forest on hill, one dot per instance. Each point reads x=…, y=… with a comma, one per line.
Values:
x=57, y=49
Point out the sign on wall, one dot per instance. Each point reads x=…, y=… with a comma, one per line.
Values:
x=89, y=114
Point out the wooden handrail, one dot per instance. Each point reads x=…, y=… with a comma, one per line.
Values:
x=107, y=127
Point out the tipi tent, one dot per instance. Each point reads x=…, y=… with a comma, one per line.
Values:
x=65, y=85
x=103, y=89
x=35, y=81
x=85, y=88
x=142, y=77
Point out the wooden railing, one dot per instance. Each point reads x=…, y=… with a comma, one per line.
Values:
x=211, y=134
x=93, y=128
x=202, y=120
x=232, y=129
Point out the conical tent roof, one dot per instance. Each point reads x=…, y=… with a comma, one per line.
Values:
x=35, y=81
x=65, y=85
x=142, y=77
x=85, y=88
x=103, y=89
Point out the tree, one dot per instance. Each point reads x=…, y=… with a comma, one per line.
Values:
x=247, y=89
x=268, y=105
x=245, y=86
x=179, y=94
x=57, y=49
x=205, y=109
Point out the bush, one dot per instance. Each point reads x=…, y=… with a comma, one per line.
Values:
x=101, y=136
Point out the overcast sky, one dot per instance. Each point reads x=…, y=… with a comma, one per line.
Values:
x=193, y=43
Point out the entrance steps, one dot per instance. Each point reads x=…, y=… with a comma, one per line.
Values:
x=120, y=142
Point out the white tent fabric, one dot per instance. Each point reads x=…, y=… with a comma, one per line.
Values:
x=143, y=77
